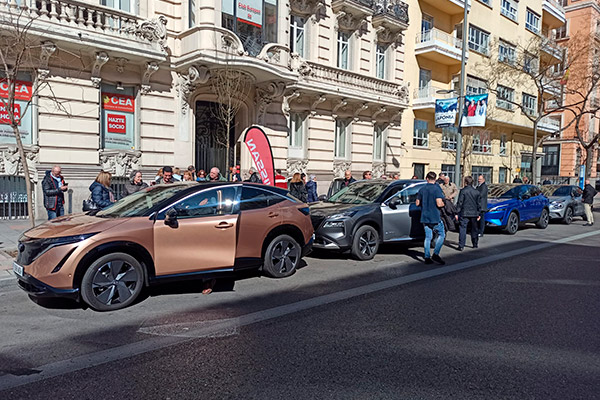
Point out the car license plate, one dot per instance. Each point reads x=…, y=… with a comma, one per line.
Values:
x=17, y=269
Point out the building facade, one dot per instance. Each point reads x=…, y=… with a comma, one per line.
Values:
x=135, y=85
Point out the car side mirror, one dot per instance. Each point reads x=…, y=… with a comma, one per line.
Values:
x=394, y=203
x=171, y=218
x=322, y=197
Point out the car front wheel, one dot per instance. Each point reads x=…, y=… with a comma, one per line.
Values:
x=112, y=282
x=512, y=226
x=365, y=243
x=282, y=257
x=544, y=220
x=568, y=218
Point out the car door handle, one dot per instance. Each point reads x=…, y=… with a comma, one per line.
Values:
x=273, y=215
x=224, y=225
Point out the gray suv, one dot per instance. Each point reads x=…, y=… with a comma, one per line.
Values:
x=565, y=202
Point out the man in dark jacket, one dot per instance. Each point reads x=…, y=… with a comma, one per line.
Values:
x=254, y=177
x=54, y=187
x=469, y=212
x=483, y=192
x=517, y=179
x=348, y=179
x=588, y=199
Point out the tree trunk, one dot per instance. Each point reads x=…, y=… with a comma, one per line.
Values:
x=589, y=160
x=534, y=177
x=28, y=185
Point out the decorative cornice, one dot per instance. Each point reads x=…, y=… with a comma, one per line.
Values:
x=150, y=68
x=101, y=58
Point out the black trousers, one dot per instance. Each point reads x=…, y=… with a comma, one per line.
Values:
x=482, y=223
x=462, y=234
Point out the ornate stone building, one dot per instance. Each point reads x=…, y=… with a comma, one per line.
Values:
x=138, y=88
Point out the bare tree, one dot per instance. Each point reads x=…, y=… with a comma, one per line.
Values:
x=23, y=56
x=537, y=68
x=232, y=87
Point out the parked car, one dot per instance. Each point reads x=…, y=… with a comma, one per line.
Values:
x=565, y=202
x=366, y=213
x=511, y=205
x=165, y=232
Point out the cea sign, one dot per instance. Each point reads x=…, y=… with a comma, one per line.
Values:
x=118, y=118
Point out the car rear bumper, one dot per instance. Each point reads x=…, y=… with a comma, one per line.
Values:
x=37, y=288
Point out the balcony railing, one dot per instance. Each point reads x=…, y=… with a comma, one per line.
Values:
x=427, y=92
x=436, y=35
x=549, y=123
x=394, y=8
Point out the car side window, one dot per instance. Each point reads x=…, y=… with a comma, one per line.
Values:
x=409, y=195
x=534, y=191
x=393, y=191
x=577, y=191
x=563, y=191
x=256, y=198
x=207, y=203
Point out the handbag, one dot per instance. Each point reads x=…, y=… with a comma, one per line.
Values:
x=89, y=205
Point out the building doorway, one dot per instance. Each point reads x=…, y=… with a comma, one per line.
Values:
x=210, y=147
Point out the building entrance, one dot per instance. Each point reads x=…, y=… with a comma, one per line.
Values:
x=211, y=140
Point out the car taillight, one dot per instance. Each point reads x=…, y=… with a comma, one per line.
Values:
x=304, y=210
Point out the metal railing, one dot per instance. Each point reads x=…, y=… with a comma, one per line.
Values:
x=436, y=35
x=427, y=92
x=13, y=198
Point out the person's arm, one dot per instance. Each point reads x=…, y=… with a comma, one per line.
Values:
x=48, y=188
x=418, y=201
x=439, y=197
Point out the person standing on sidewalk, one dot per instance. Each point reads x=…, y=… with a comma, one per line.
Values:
x=54, y=188
x=483, y=193
x=469, y=212
x=588, y=199
x=431, y=198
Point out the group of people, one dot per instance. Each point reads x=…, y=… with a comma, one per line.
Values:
x=442, y=204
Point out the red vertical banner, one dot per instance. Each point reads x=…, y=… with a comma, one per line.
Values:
x=260, y=149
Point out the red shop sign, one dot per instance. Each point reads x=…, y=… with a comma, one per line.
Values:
x=4, y=117
x=118, y=102
x=116, y=123
x=23, y=90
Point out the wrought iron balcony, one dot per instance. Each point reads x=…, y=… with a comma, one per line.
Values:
x=396, y=9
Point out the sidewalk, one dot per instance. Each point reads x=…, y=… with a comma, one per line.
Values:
x=10, y=231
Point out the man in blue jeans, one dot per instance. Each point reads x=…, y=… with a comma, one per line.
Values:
x=431, y=198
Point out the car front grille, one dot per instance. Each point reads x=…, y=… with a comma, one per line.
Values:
x=316, y=220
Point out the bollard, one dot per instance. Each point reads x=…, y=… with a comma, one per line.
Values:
x=70, y=207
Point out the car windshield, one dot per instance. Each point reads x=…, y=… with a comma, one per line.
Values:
x=138, y=204
x=364, y=192
x=556, y=190
x=505, y=191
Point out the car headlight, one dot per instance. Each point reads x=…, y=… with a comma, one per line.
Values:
x=558, y=204
x=334, y=224
x=346, y=214
x=37, y=247
x=498, y=208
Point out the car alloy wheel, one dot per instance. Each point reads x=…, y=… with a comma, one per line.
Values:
x=568, y=218
x=282, y=257
x=365, y=243
x=512, y=226
x=112, y=282
x=544, y=220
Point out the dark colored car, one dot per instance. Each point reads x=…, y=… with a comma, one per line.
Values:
x=164, y=233
x=565, y=202
x=511, y=205
x=366, y=213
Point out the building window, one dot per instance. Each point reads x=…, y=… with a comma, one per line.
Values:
x=482, y=142
x=426, y=27
x=380, y=53
x=254, y=28
x=421, y=133
x=509, y=9
x=529, y=104
x=343, y=47
x=191, y=13
x=123, y=5
x=551, y=160
x=532, y=22
x=341, y=139
x=486, y=2
x=118, y=118
x=485, y=171
x=502, y=174
x=378, y=143
x=479, y=40
x=476, y=86
x=561, y=32
x=449, y=170
x=506, y=52
x=504, y=97
x=419, y=171
x=449, y=137
x=296, y=138
x=297, y=35
x=529, y=63
x=503, y=144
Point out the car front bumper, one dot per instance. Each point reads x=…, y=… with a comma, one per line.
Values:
x=495, y=218
x=37, y=288
x=557, y=213
x=334, y=238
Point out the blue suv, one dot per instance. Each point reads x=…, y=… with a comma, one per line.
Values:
x=510, y=205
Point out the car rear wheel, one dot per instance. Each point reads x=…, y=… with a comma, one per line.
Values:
x=512, y=226
x=542, y=223
x=568, y=218
x=365, y=243
x=282, y=257
x=112, y=282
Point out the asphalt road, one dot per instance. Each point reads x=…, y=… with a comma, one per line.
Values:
x=515, y=319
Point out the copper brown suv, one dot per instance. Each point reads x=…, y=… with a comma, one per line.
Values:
x=164, y=233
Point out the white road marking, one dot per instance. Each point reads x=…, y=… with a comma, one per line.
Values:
x=220, y=327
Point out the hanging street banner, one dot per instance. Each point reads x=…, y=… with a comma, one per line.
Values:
x=260, y=149
x=445, y=112
x=475, y=110
x=118, y=118
x=23, y=92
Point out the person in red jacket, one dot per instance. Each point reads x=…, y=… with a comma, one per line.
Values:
x=280, y=180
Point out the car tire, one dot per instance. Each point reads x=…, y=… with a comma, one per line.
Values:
x=112, y=282
x=512, y=224
x=568, y=218
x=542, y=223
x=365, y=243
x=282, y=257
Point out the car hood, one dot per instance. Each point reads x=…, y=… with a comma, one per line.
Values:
x=71, y=225
x=324, y=209
x=495, y=202
x=560, y=198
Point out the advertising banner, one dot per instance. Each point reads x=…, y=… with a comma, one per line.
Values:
x=250, y=11
x=118, y=118
x=475, y=110
x=23, y=94
x=260, y=149
x=445, y=112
